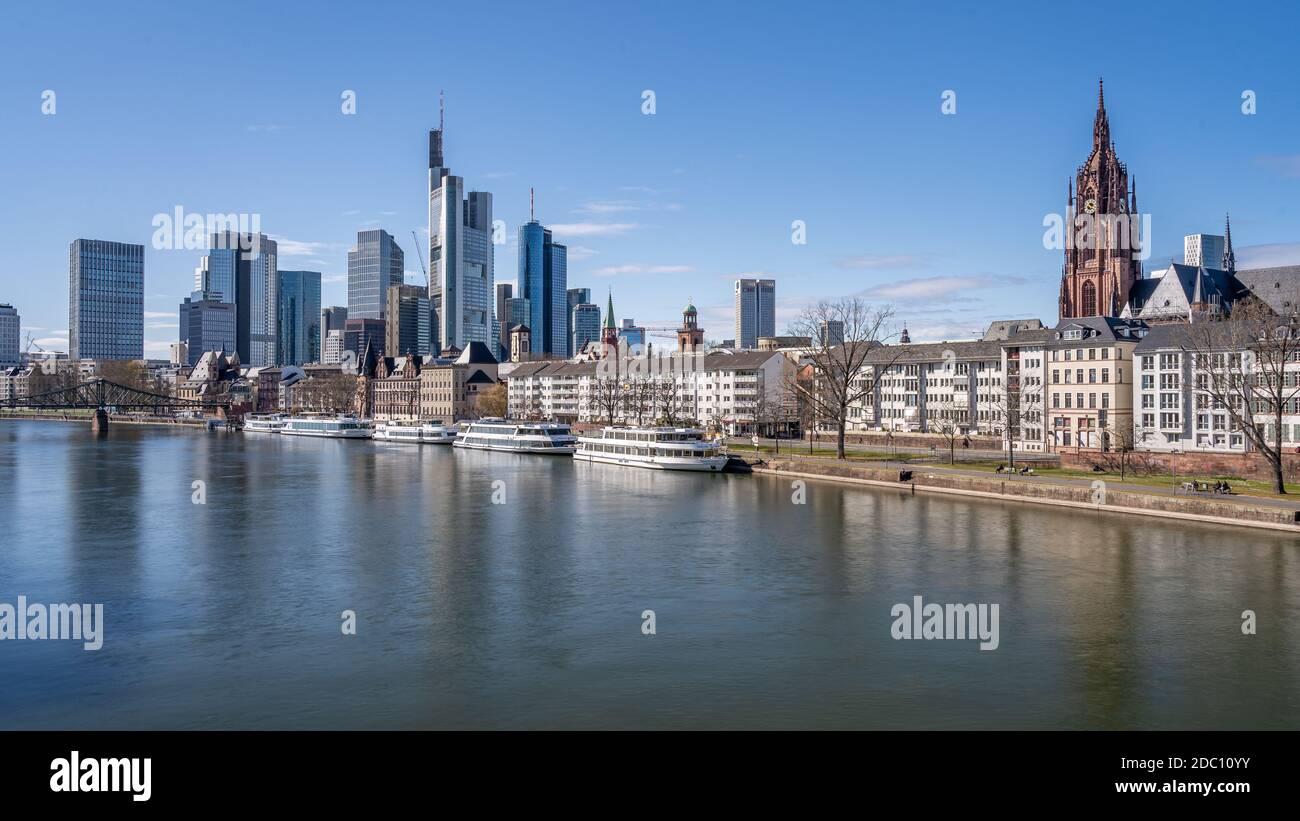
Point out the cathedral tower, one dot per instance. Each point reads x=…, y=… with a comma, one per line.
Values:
x=1102, y=253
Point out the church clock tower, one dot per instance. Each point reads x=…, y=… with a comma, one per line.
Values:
x=1102, y=255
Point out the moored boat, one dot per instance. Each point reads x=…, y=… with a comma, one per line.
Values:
x=655, y=448
x=518, y=437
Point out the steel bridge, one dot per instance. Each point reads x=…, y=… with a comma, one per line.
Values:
x=103, y=397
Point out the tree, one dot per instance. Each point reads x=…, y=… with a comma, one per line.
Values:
x=494, y=400
x=845, y=371
x=638, y=393
x=1240, y=367
x=947, y=417
x=326, y=392
x=669, y=401
x=1014, y=404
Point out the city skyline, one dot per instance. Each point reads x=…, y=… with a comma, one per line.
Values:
x=666, y=206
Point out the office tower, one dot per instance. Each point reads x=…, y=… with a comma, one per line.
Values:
x=376, y=263
x=543, y=281
x=300, y=317
x=1203, y=250
x=631, y=333
x=755, y=311
x=105, y=300
x=360, y=333
x=586, y=326
x=10, y=328
x=207, y=325
x=519, y=311
x=576, y=297
x=332, y=348
x=243, y=269
x=460, y=255
x=505, y=292
x=407, y=330
x=179, y=353
x=831, y=332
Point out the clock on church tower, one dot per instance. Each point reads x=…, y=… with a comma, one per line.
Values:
x=1101, y=263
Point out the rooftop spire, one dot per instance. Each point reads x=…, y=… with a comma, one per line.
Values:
x=441, y=109
x=1101, y=126
x=532, y=209
x=609, y=311
x=1229, y=258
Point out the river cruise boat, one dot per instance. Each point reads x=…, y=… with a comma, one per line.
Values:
x=416, y=433
x=329, y=427
x=265, y=423
x=518, y=437
x=654, y=448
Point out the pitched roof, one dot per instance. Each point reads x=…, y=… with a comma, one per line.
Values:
x=476, y=353
x=1278, y=287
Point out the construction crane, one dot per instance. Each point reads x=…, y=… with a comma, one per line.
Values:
x=420, y=255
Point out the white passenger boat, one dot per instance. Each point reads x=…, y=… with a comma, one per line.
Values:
x=330, y=427
x=517, y=437
x=416, y=433
x=655, y=448
x=265, y=422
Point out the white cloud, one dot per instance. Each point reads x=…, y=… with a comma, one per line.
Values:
x=592, y=229
x=1288, y=165
x=938, y=289
x=580, y=252
x=294, y=248
x=159, y=314
x=614, y=270
x=872, y=261
x=1267, y=256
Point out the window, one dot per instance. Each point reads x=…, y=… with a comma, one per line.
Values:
x=1089, y=299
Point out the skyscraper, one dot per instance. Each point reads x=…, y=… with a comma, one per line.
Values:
x=376, y=263
x=518, y=312
x=1203, y=250
x=755, y=311
x=300, y=317
x=105, y=300
x=586, y=326
x=460, y=255
x=407, y=328
x=505, y=291
x=243, y=269
x=576, y=297
x=332, y=318
x=10, y=329
x=207, y=325
x=543, y=281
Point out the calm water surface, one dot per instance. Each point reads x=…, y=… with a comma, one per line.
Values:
x=528, y=614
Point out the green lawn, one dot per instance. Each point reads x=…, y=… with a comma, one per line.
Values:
x=1249, y=487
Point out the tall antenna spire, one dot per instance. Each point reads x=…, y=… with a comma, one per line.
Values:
x=441, y=110
x=532, y=210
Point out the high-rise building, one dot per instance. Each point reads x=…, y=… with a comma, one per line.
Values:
x=631, y=333
x=460, y=255
x=407, y=330
x=831, y=332
x=207, y=325
x=518, y=311
x=376, y=263
x=586, y=326
x=105, y=300
x=180, y=353
x=300, y=317
x=1096, y=279
x=1203, y=250
x=362, y=333
x=576, y=297
x=332, y=348
x=10, y=328
x=543, y=281
x=755, y=311
x=243, y=269
x=505, y=292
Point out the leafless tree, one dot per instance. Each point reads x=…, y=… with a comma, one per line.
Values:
x=606, y=397
x=1014, y=405
x=947, y=417
x=638, y=397
x=845, y=373
x=669, y=400
x=1241, y=367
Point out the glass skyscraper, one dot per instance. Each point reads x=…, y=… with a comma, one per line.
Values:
x=243, y=269
x=586, y=325
x=207, y=325
x=577, y=296
x=300, y=317
x=407, y=326
x=376, y=263
x=10, y=328
x=755, y=311
x=460, y=256
x=105, y=300
x=544, y=282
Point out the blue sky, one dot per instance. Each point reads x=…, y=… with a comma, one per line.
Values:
x=765, y=114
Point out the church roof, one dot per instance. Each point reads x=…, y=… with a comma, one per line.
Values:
x=1278, y=287
x=476, y=353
